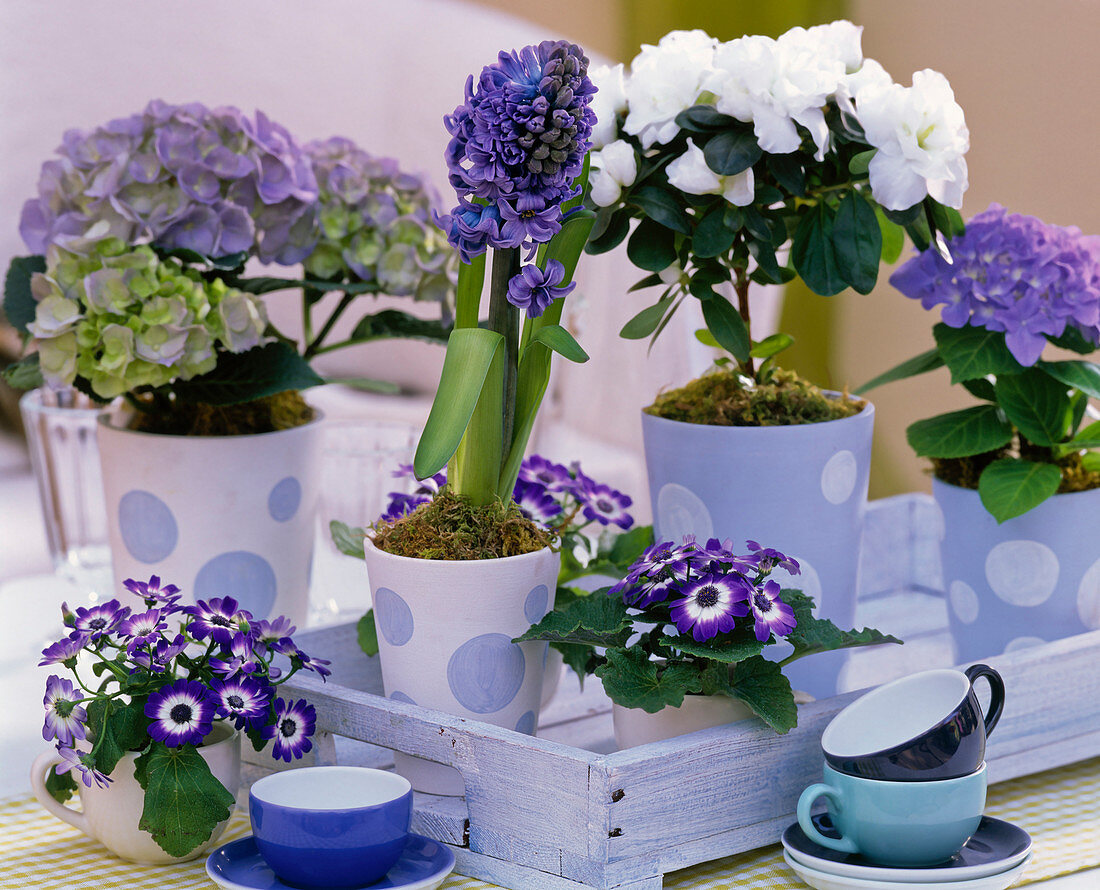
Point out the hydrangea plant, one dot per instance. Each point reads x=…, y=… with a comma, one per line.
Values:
x=162, y=675
x=763, y=159
x=1009, y=285
x=694, y=619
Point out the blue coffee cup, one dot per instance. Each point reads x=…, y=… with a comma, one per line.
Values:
x=331, y=826
x=904, y=824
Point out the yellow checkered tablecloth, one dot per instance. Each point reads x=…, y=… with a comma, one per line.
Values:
x=1060, y=808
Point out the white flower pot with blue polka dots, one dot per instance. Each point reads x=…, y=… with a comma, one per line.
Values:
x=1032, y=579
x=215, y=515
x=800, y=489
x=445, y=630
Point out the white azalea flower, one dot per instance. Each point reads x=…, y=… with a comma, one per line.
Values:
x=671, y=273
x=838, y=40
x=922, y=140
x=609, y=101
x=613, y=168
x=664, y=80
x=690, y=173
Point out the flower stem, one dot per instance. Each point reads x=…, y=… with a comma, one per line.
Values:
x=504, y=319
x=314, y=347
x=741, y=288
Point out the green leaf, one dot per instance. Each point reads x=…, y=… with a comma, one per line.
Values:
x=631, y=680
x=1037, y=404
x=1073, y=340
x=732, y=151
x=630, y=545
x=184, y=802
x=246, y=376
x=812, y=634
x=760, y=684
x=652, y=246
x=266, y=285
x=1011, y=487
x=946, y=219
x=393, y=323
x=19, y=302
x=981, y=388
x=116, y=728
x=611, y=235
x=367, y=384
x=1089, y=437
x=23, y=374
x=663, y=207
x=471, y=281
x=706, y=338
x=920, y=233
x=60, y=787
x=1091, y=462
x=1084, y=376
x=857, y=242
x=772, y=345
x=347, y=539
x=594, y=620
x=648, y=281
x=712, y=236
x=788, y=172
x=367, y=632
x=727, y=326
x=703, y=119
x=904, y=217
x=470, y=352
x=645, y=322
x=721, y=648
x=960, y=433
x=582, y=659
x=227, y=263
x=971, y=352
x=764, y=254
x=860, y=163
x=893, y=237
x=562, y=342
x=920, y=364
x=813, y=254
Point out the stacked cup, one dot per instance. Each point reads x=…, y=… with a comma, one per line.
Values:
x=905, y=775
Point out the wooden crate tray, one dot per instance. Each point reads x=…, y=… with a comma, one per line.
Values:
x=566, y=810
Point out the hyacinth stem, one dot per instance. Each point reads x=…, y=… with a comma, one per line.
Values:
x=741, y=288
x=504, y=319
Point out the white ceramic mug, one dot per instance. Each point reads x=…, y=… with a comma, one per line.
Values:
x=111, y=814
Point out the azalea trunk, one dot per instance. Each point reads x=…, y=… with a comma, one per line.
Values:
x=741, y=288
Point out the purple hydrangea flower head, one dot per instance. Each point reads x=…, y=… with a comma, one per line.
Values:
x=182, y=713
x=770, y=613
x=535, y=502
x=295, y=722
x=151, y=591
x=84, y=763
x=243, y=700
x=1013, y=274
x=605, y=505
x=220, y=619
x=101, y=620
x=710, y=604
x=65, y=651
x=534, y=289
x=65, y=717
x=551, y=476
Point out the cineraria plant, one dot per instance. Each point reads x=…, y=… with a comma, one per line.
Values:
x=695, y=619
x=1009, y=285
x=160, y=679
x=517, y=162
x=186, y=192
x=764, y=159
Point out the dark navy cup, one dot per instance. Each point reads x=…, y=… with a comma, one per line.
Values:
x=331, y=826
x=924, y=727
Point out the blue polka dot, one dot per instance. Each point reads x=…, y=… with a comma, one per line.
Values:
x=246, y=577
x=393, y=616
x=400, y=696
x=534, y=608
x=284, y=499
x=526, y=723
x=147, y=525
x=485, y=673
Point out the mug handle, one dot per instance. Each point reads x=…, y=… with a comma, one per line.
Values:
x=805, y=804
x=43, y=763
x=996, y=692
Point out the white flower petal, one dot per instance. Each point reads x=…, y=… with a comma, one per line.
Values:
x=894, y=183
x=603, y=188
x=690, y=173
x=740, y=188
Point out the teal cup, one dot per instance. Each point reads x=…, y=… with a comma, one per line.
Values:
x=904, y=824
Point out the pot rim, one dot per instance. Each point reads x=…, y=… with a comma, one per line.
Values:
x=868, y=410
x=368, y=547
x=937, y=481
x=108, y=419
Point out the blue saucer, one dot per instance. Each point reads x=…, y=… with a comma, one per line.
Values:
x=238, y=865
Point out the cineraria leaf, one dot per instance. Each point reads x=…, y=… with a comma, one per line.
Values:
x=19, y=302
x=631, y=680
x=630, y=545
x=960, y=433
x=760, y=684
x=60, y=787
x=1011, y=487
x=725, y=648
x=116, y=728
x=812, y=634
x=971, y=352
x=368, y=633
x=348, y=539
x=184, y=802
x=594, y=620
x=1036, y=403
x=582, y=659
x=246, y=376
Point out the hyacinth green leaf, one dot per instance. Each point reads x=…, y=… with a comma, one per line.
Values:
x=367, y=633
x=814, y=255
x=1011, y=487
x=594, y=620
x=470, y=355
x=532, y=378
x=727, y=326
x=19, y=302
x=721, y=648
x=732, y=151
x=245, y=376
x=390, y=323
x=651, y=247
x=712, y=236
x=562, y=342
x=1091, y=462
x=920, y=364
x=1084, y=376
x=60, y=787
x=184, y=802
x=1036, y=403
x=347, y=539
x=760, y=684
x=471, y=280
x=632, y=680
x=23, y=374
x=971, y=352
x=857, y=242
x=568, y=244
x=960, y=433
x=772, y=345
x=645, y=322
x=662, y=206
x=893, y=237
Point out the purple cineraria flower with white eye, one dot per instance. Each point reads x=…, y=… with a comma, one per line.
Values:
x=710, y=604
x=84, y=763
x=154, y=595
x=535, y=502
x=430, y=485
x=156, y=658
x=144, y=629
x=770, y=613
x=551, y=476
x=311, y=663
x=604, y=504
x=65, y=718
x=294, y=723
x=241, y=658
x=102, y=620
x=182, y=713
x=267, y=633
x=764, y=559
x=402, y=504
x=243, y=700
x=220, y=619
x=65, y=651
x=534, y=289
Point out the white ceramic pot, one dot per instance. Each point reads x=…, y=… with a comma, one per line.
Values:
x=111, y=815
x=445, y=630
x=215, y=515
x=551, y=675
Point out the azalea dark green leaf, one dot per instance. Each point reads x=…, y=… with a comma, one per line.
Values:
x=893, y=237
x=652, y=246
x=960, y=433
x=615, y=227
x=703, y=119
x=645, y=322
x=732, y=151
x=728, y=328
x=814, y=255
x=713, y=237
x=788, y=172
x=857, y=242
x=1011, y=487
x=772, y=345
x=663, y=207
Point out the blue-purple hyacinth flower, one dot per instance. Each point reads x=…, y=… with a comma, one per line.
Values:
x=534, y=289
x=181, y=713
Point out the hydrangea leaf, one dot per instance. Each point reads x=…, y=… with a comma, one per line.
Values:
x=23, y=374
x=919, y=364
x=116, y=728
x=347, y=539
x=632, y=680
x=720, y=648
x=971, y=352
x=814, y=255
x=1036, y=403
x=19, y=302
x=812, y=634
x=1089, y=437
x=1084, y=376
x=960, y=433
x=760, y=684
x=246, y=376
x=1011, y=487
x=184, y=802
x=390, y=323
x=980, y=388
x=367, y=632
x=594, y=620
x=1073, y=340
